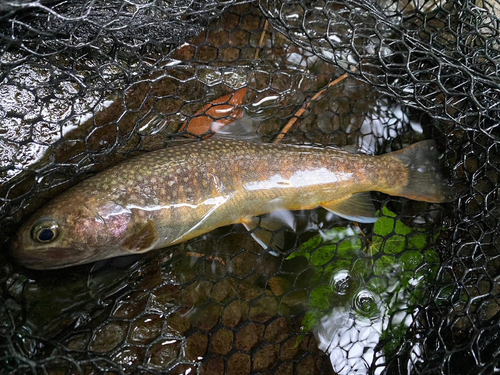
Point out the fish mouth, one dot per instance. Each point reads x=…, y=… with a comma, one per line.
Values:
x=37, y=263
x=48, y=259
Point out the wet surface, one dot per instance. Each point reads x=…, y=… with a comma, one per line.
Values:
x=186, y=305
x=339, y=297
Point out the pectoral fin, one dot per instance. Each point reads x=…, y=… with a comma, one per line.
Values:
x=357, y=207
x=143, y=236
x=261, y=231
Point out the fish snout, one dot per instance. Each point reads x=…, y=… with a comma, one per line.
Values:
x=15, y=248
x=20, y=255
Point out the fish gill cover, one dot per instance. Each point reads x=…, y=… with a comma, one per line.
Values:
x=85, y=84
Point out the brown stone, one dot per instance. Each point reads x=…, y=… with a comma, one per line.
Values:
x=266, y=358
x=222, y=342
x=109, y=337
x=264, y=309
x=278, y=330
x=168, y=295
x=214, y=366
x=250, y=22
x=129, y=356
x=218, y=37
x=164, y=353
x=230, y=53
x=196, y=294
x=145, y=329
x=285, y=369
x=179, y=322
x=239, y=364
x=243, y=264
x=135, y=305
x=249, y=336
x=235, y=314
x=206, y=53
x=224, y=290
x=208, y=317
x=248, y=290
x=182, y=369
x=239, y=38
x=197, y=345
x=289, y=349
x=310, y=365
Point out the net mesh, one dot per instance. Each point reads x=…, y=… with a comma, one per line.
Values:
x=85, y=84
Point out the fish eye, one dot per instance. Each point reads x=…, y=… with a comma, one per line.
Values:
x=45, y=232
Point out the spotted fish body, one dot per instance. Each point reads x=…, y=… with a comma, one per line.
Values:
x=169, y=196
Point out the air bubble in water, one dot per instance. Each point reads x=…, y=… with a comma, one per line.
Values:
x=341, y=281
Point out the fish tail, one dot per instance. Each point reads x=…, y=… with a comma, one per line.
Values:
x=423, y=182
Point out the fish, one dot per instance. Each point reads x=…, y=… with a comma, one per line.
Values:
x=169, y=196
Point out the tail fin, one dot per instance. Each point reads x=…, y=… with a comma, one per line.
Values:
x=425, y=183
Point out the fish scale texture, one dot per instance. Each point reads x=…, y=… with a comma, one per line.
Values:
x=88, y=84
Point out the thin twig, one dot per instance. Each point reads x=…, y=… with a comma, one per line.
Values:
x=261, y=40
x=306, y=105
x=210, y=257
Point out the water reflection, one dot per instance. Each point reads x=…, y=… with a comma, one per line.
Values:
x=350, y=340
x=365, y=292
x=351, y=334
x=384, y=123
x=222, y=295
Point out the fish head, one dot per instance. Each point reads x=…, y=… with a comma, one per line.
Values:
x=70, y=230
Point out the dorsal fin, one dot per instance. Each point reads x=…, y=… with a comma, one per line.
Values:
x=244, y=128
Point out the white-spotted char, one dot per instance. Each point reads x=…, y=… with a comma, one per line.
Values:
x=169, y=196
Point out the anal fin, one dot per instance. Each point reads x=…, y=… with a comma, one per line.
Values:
x=356, y=207
x=261, y=231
